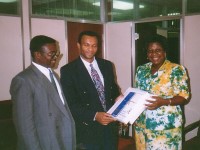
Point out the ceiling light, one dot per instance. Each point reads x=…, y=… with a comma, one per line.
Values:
x=122, y=5
x=119, y=5
x=7, y=1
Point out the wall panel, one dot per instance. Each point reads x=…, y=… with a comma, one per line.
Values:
x=54, y=29
x=118, y=50
x=11, y=52
x=191, y=61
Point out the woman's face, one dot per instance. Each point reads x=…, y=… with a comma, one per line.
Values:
x=156, y=54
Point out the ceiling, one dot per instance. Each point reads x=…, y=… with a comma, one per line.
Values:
x=91, y=9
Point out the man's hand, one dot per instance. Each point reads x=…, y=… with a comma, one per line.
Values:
x=119, y=97
x=104, y=118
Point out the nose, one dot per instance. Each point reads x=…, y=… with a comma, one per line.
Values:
x=90, y=47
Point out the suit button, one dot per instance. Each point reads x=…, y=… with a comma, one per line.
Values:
x=50, y=114
x=85, y=123
x=88, y=104
x=84, y=92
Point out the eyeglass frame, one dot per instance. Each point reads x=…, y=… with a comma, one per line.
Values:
x=52, y=54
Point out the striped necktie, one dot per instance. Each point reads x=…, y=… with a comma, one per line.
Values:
x=52, y=79
x=99, y=86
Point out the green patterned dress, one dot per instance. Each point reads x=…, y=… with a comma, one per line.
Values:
x=161, y=129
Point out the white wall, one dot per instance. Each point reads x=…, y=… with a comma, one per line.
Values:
x=192, y=63
x=54, y=29
x=118, y=50
x=11, y=52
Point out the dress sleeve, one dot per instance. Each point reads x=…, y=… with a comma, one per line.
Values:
x=180, y=81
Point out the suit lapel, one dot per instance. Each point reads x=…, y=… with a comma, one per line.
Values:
x=83, y=74
x=55, y=98
x=86, y=82
x=101, y=65
x=66, y=111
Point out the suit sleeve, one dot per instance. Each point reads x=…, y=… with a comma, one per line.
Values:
x=22, y=97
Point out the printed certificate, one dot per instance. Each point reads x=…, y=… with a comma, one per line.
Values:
x=128, y=108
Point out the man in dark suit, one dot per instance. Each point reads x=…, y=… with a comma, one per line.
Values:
x=96, y=129
x=41, y=115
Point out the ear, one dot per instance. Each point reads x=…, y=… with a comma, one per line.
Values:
x=37, y=54
x=78, y=45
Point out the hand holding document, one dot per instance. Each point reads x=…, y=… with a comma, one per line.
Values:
x=128, y=108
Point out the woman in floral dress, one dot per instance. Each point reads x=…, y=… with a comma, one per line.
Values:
x=159, y=127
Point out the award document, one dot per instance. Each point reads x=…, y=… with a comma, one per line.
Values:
x=128, y=108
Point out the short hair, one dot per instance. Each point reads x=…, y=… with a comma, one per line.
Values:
x=38, y=41
x=157, y=39
x=89, y=33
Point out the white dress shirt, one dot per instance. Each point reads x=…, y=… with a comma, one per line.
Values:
x=45, y=71
x=96, y=67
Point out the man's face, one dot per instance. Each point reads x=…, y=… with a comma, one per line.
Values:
x=88, y=47
x=47, y=56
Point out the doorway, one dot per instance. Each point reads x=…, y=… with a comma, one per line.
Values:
x=168, y=28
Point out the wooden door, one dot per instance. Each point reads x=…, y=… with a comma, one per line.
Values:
x=73, y=30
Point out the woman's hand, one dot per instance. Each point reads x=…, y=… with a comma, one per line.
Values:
x=155, y=103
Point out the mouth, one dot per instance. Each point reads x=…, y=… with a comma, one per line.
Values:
x=154, y=58
x=90, y=55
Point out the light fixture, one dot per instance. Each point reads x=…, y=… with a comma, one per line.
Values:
x=122, y=5
x=7, y=1
x=119, y=5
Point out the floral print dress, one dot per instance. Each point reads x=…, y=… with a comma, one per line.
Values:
x=161, y=128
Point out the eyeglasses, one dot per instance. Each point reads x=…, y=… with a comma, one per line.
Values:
x=53, y=54
x=157, y=51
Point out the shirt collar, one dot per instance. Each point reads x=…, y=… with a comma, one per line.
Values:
x=43, y=69
x=87, y=64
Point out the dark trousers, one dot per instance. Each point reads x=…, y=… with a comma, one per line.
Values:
x=109, y=142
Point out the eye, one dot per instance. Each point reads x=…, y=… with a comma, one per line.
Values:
x=157, y=51
x=94, y=46
x=150, y=51
x=51, y=53
x=86, y=44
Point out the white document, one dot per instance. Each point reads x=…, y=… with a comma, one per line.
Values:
x=128, y=108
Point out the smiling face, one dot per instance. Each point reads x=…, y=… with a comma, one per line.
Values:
x=156, y=54
x=88, y=47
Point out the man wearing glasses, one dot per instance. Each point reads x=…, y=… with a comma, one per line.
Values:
x=41, y=115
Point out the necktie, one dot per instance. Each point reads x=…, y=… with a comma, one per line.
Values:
x=99, y=86
x=52, y=79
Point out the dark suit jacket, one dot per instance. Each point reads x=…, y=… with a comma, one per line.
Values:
x=84, y=100
x=42, y=121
